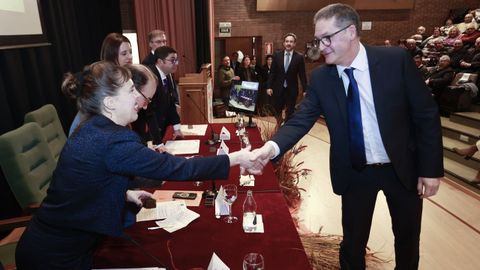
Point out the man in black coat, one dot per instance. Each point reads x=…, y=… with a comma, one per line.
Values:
x=156, y=38
x=287, y=67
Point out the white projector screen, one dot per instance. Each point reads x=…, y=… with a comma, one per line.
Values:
x=20, y=24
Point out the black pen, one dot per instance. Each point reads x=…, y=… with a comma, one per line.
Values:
x=255, y=220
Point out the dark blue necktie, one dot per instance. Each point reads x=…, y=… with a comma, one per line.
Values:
x=166, y=87
x=357, y=145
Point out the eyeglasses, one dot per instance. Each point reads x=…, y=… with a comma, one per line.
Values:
x=149, y=100
x=327, y=40
x=159, y=41
x=173, y=60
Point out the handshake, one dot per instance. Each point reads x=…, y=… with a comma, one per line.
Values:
x=252, y=162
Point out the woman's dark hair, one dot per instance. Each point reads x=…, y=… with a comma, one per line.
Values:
x=90, y=87
x=111, y=45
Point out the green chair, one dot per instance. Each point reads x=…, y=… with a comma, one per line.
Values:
x=9, y=243
x=27, y=164
x=48, y=120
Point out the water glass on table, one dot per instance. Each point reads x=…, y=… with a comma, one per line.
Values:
x=230, y=192
x=253, y=261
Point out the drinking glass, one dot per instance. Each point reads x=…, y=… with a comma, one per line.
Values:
x=253, y=261
x=230, y=196
x=197, y=183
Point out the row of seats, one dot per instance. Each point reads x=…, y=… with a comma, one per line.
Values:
x=28, y=157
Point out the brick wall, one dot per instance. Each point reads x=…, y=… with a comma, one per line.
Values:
x=393, y=25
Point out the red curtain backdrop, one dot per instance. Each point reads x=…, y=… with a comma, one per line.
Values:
x=177, y=19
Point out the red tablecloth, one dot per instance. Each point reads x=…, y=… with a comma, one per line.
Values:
x=193, y=246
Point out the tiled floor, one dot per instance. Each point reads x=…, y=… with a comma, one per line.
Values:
x=451, y=220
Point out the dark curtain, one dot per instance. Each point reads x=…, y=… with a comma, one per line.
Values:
x=31, y=77
x=202, y=32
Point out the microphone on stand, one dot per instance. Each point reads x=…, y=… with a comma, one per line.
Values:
x=209, y=195
x=214, y=137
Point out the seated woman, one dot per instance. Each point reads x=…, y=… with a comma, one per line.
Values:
x=117, y=49
x=86, y=196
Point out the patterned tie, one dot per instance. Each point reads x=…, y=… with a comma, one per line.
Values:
x=165, y=85
x=357, y=145
x=285, y=65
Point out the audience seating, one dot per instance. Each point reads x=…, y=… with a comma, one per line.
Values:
x=457, y=97
x=51, y=126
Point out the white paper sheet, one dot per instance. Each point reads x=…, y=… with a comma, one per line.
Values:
x=163, y=210
x=183, y=147
x=193, y=130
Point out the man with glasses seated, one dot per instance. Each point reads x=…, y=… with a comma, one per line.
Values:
x=163, y=106
x=385, y=134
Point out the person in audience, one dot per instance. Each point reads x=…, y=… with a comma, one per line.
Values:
x=234, y=62
x=457, y=54
x=440, y=77
x=446, y=28
x=468, y=19
x=412, y=47
x=88, y=192
x=469, y=151
x=421, y=30
x=245, y=71
x=267, y=107
x=453, y=35
x=471, y=62
x=116, y=48
x=420, y=66
x=226, y=75
x=402, y=43
x=432, y=54
x=156, y=38
x=257, y=67
x=431, y=39
x=385, y=92
x=470, y=35
x=163, y=102
x=387, y=43
x=418, y=39
x=288, y=67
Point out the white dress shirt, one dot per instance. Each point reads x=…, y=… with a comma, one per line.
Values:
x=374, y=150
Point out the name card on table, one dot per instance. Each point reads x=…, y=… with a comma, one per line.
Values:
x=223, y=149
x=217, y=264
x=221, y=207
x=224, y=134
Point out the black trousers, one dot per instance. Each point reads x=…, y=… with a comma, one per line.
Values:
x=287, y=100
x=358, y=203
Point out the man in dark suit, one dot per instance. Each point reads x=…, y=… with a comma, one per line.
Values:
x=384, y=130
x=156, y=38
x=287, y=67
x=163, y=107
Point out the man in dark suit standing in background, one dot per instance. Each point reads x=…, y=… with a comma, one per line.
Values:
x=287, y=67
x=156, y=38
x=384, y=130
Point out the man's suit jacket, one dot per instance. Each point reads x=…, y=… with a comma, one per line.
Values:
x=161, y=112
x=149, y=60
x=407, y=117
x=296, y=70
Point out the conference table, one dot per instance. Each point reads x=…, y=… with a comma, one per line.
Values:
x=193, y=246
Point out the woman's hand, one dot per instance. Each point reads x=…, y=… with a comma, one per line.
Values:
x=136, y=196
